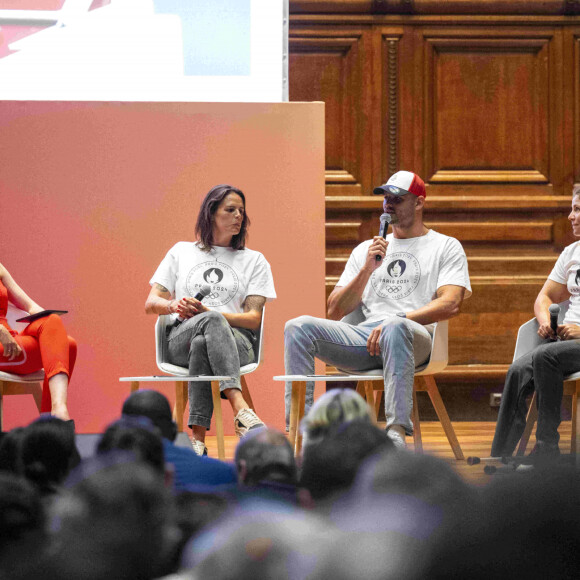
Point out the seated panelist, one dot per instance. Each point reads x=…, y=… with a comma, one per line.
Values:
x=544, y=369
x=402, y=284
x=217, y=334
x=42, y=344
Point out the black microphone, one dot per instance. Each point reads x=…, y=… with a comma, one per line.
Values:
x=203, y=292
x=385, y=221
x=554, y=311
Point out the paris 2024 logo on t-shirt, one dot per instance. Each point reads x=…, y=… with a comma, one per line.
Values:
x=397, y=277
x=222, y=278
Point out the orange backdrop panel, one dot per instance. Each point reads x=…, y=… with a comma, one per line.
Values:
x=92, y=195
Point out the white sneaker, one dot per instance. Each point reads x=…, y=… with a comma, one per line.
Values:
x=397, y=439
x=199, y=447
x=245, y=420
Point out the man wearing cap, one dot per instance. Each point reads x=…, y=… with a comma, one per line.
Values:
x=400, y=286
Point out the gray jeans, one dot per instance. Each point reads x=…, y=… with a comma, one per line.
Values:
x=208, y=345
x=404, y=345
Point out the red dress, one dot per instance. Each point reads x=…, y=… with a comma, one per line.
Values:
x=44, y=343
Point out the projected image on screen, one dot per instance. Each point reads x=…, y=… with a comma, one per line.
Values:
x=216, y=35
x=147, y=50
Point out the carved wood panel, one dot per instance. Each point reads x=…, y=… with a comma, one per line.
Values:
x=334, y=66
x=489, y=108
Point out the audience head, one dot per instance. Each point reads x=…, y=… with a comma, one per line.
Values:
x=155, y=407
x=113, y=520
x=137, y=435
x=48, y=452
x=22, y=528
x=335, y=407
x=11, y=450
x=331, y=465
x=262, y=541
x=205, y=218
x=265, y=454
x=530, y=528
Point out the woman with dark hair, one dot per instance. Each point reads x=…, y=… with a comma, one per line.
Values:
x=215, y=335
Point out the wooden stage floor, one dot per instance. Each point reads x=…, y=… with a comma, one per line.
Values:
x=474, y=437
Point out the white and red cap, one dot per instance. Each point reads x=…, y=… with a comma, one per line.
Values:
x=401, y=183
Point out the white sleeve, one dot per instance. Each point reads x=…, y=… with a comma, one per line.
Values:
x=353, y=266
x=453, y=267
x=166, y=273
x=559, y=273
x=261, y=281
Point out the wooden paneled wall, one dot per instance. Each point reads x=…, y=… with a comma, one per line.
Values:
x=482, y=99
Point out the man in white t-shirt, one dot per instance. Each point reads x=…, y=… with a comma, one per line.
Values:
x=544, y=368
x=402, y=285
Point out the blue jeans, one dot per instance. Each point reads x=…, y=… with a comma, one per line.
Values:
x=542, y=370
x=404, y=345
x=207, y=345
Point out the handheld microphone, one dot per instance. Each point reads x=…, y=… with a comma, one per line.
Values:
x=386, y=219
x=554, y=311
x=203, y=292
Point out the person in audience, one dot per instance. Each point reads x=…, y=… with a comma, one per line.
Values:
x=48, y=453
x=23, y=539
x=329, y=467
x=137, y=435
x=529, y=528
x=189, y=468
x=543, y=369
x=10, y=450
x=114, y=520
x=333, y=408
x=401, y=285
x=266, y=466
x=215, y=335
x=43, y=344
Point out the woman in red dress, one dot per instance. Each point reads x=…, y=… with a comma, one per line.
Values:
x=42, y=344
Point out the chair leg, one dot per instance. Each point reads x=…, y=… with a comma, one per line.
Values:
x=370, y=397
x=575, y=443
x=180, y=398
x=36, y=392
x=417, y=439
x=443, y=416
x=219, y=422
x=246, y=393
x=134, y=386
x=530, y=420
x=1, y=405
x=378, y=401
x=297, y=386
x=301, y=411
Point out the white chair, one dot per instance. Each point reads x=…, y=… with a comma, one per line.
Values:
x=369, y=381
x=528, y=340
x=13, y=384
x=181, y=395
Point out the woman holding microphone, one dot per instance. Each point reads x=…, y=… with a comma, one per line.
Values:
x=216, y=335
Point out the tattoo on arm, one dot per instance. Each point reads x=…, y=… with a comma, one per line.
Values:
x=254, y=303
x=161, y=288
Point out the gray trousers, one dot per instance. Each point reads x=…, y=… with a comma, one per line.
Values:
x=404, y=345
x=542, y=370
x=207, y=345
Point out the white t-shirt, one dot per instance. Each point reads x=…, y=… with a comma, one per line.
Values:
x=232, y=274
x=567, y=271
x=412, y=271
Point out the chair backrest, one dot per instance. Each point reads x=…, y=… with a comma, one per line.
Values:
x=161, y=357
x=528, y=338
x=439, y=343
